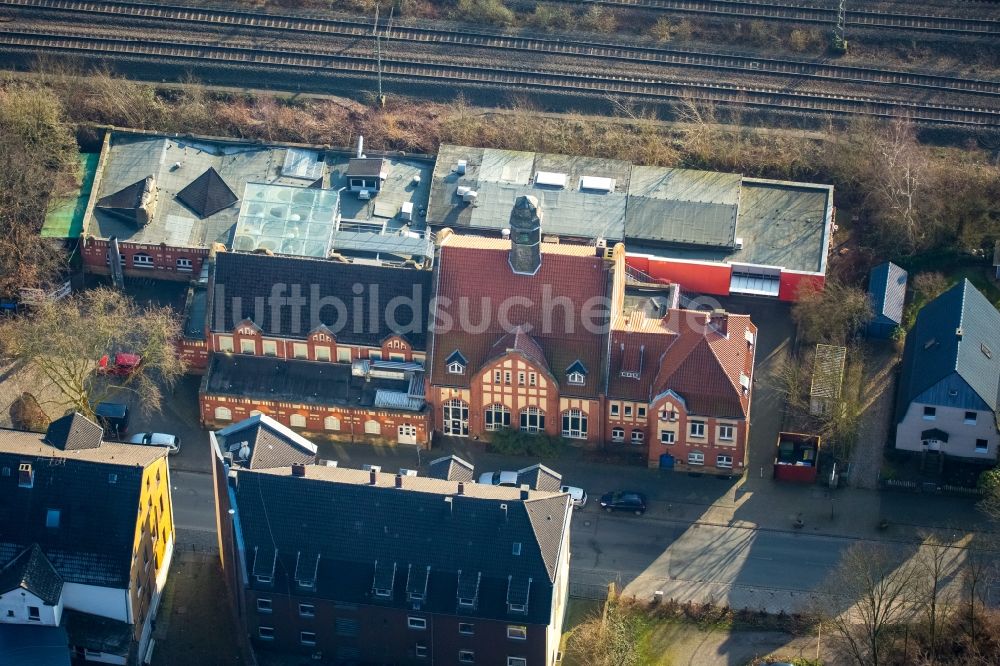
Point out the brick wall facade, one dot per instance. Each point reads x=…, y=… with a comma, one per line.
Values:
x=157, y=262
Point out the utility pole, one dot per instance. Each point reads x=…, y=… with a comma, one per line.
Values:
x=378, y=51
x=839, y=42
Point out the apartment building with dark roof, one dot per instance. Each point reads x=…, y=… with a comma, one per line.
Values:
x=86, y=538
x=362, y=566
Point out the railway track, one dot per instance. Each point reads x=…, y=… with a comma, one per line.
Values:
x=485, y=40
x=507, y=77
x=803, y=13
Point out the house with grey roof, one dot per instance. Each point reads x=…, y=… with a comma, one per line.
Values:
x=365, y=566
x=86, y=540
x=887, y=292
x=950, y=379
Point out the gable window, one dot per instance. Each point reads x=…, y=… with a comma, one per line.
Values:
x=467, y=656
x=930, y=413
x=667, y=437
x=248, y=347
x=456, y=418
x=331, y=423
x=696, y=458
x=223, y=414
x=574, y=424
x=506, y=377
x=466, y=628
x=142, y=260
x=497, y=376
x=307, y=637
x=322, y=353
x=726, y=432
x=456, y=368
x=300, y=350
x=307, y=610
x=532, y=419
x=270, y=348
x=497, y=417
x=297, y=421
x=416, y=622
x=725, y=462
x=184, y=265
x=970, y=418
x=576, y=378
x=266, y=633
x=34, y=614
x=225, y=343
x=532, y=379
x=696, y=429
x=264, y=606
x=618, y=434
x=517, y=632
x=615, y=409
x=638, y=436
x=520, y=379
x=982, y=445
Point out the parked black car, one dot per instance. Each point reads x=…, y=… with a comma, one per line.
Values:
x=624, y=500
x=114, y=418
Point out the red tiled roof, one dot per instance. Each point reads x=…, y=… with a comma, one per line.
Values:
x=521, y=342
x=475, y=278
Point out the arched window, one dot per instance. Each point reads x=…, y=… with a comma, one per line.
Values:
x=297, y=421
x=497, y=417
x=638, y=436
x=223, y=414
x=331, y=423
x=574, y=424
x=532, y=419
x=256, y=412
x=618, y=434
x=373, y=427
x=456, y=418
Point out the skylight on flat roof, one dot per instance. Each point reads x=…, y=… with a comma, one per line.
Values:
x=286, y=220
x=550, y=179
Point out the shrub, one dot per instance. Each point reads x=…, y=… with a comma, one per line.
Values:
x=484, y=11
x=27, y=414
x=517, y=443
x=989, y=480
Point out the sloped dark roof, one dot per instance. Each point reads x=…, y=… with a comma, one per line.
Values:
x=456, y=356
x=935, y=353
x=97, y=633
x=887, y=290
x=32, y=571
x=126, y=202
x=521, y=342
x=451, y=468
x=240, y=279
x=354, y=525
x=73, y=432
x=540, y=477
x=576, y=366
x=207, y=194
x=365, y=166
x=269, y=444
x=33, y=645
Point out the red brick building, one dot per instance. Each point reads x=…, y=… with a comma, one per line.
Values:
x=559, y=346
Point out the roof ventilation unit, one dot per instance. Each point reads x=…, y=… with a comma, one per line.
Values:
x=597, y=184
x=470, y=196
x=550, y=179
x=739, y=243
x=461, y=167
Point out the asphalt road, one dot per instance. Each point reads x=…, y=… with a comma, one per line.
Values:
x=194, y=501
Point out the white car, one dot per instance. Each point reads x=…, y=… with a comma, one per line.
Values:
x=578, y=495
x=170, y=442
x=508, y=479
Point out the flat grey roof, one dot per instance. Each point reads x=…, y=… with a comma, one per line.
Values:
x=499, y=176
x=133, y=157
x=399, y=187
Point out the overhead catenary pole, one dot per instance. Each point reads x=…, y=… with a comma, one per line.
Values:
x=839, y=39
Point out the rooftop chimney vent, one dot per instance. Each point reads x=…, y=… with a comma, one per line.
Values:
x=298, y=469
x=373, y=477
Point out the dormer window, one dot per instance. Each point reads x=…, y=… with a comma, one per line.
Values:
x=383, y=593
x=456, y=363
x=576, y=374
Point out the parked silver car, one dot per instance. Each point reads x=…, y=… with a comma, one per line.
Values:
x=171, y=442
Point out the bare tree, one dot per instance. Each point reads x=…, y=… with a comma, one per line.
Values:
x=831, y=313
x=64, y=340
x=978, y=572
x=876, y=591
x=935, y=565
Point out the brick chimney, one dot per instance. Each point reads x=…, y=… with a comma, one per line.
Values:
x=298, y=469
x=720, y=321
x=461, y=487
x=399, y=480
x=525, y=235
x=525, y=491
x=372, y=477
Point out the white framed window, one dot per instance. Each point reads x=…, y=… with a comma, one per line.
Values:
x=576, y=378
x=416, y=622
x=373, y=427
x=640, y=412
x=497, y=417
x=506, y=377
x=466, y=628
x=517, y=661
x=727, y=432
x=265, y=633
x=532, y=419
x=628, y=411
x=970, y=418
x=142, y=260
x=982, y=445
x=696, y=428
x=574, y=424
x=256, y=412
x=521, y=378
x=375, y=355
x=467, y=656
x=724, y=461
x=456, y=417
x=517, y=632
x=930, y=413
x=397, y=357
x=269, y=348
x=696, y=458
x=248, y=347
x=307, y=637
x=225, y=343
x=343, y=354
x=638, y=436
x=497, y=376
x=532, y=379
x=456, y=368
x=307, y=610
x=184, y=265
x=322, y=353
x=331, y=423
x=264, y=606
x=618, y=434
x=667, y=437
x=300, y=350
x=419, y=359
x=223, y=414
x=297, y=421
x=420, y=650
x=615, y=409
